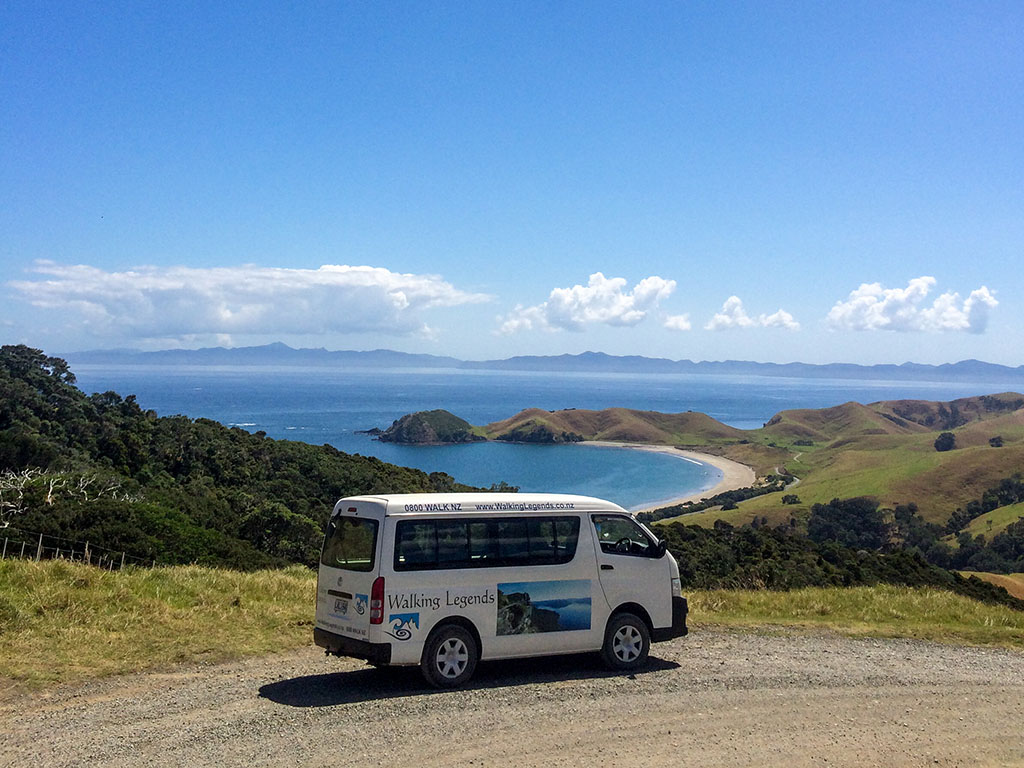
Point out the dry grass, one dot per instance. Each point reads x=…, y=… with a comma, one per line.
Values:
x=66, y=622
x=880, y=611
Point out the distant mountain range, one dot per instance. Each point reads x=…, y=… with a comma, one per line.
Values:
x=279, y=354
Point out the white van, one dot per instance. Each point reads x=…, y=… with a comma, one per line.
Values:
x=444, y=580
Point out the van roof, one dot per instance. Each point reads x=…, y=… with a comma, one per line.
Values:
x=441, y=503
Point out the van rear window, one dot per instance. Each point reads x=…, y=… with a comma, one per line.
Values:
x=350, y=543
x=485, y=543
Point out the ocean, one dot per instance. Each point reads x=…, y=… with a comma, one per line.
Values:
x=323, y=405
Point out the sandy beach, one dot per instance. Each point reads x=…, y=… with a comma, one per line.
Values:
x=734, y=474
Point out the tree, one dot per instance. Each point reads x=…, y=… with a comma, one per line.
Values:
x=996, y=442
x=945, y=442
x=857, y=523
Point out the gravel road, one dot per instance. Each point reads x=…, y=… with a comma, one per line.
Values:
x=710, y=699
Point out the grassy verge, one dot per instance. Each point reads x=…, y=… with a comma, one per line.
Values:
x=65, y=622
x=880, y=611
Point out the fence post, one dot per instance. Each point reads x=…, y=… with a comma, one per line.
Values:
x=4, y=555
x=87, y=554
x=122, y=561
x=39, y=549
x=23, y=549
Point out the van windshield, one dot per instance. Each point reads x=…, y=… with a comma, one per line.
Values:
x=350, y=543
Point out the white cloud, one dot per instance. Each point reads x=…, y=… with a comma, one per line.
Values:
x=179, y=302
x=602, y=301
x=780, y=319
x=677, y=322
x=732, y=315
x=872, y=308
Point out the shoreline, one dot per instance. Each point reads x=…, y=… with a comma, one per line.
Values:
x=734, y=474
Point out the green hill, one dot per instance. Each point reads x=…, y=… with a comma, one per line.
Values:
x=619, y=425
x=101, y=469
x=885, y=450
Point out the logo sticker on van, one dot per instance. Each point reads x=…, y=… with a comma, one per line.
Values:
x=361, y=601
x=400, y=623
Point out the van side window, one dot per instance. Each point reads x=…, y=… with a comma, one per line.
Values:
x=513, y=542
x=542, y=540
x=416, y=545
x=621, y=536
x=452, y=542
x=481, y=543
x=567, y=533
x=483, y=547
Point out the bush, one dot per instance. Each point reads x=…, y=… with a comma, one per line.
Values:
x=945, y=442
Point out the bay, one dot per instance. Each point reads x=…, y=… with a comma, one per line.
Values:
x=326, y=405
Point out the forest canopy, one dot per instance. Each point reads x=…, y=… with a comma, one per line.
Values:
x=101, y=468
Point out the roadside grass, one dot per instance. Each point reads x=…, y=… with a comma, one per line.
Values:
x=879, y=611
x=63, y=622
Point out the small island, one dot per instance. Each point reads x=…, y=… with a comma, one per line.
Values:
x=437, y=427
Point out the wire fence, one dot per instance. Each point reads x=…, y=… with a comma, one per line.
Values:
x=17, y=543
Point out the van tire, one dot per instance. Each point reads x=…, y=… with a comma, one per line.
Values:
x=627, y=641
x=449, y=657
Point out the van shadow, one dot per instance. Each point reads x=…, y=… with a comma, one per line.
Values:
x=369, y=684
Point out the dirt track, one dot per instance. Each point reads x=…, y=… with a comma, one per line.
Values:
x=710, y=699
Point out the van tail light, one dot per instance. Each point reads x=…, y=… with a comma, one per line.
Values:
x=377, y=601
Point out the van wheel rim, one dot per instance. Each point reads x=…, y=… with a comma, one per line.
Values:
x=627, y=643
x=452, y=657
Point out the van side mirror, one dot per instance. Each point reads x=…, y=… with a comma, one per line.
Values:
x=660, y=550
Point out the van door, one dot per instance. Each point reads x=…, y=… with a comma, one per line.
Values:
x=630, y=568
x=348, y=567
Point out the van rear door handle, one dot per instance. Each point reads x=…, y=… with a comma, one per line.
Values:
x=606, y=567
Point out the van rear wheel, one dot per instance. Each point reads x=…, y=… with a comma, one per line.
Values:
x=449, y=657
x=627, y=642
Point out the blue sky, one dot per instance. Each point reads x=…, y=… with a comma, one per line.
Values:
x=798, y=181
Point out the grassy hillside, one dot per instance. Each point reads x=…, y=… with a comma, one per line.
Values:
x=622, y=425
x=855, y=450
x=996, y=521
x=1011, y=582
x=885, y=450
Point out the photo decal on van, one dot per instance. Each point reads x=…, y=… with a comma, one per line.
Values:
x=401, y=623
x=526, y=607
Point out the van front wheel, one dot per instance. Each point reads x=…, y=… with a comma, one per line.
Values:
x=627, y=642
x=449, y=657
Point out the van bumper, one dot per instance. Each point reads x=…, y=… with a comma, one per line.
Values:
x=678, y=628
x=375, y=653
